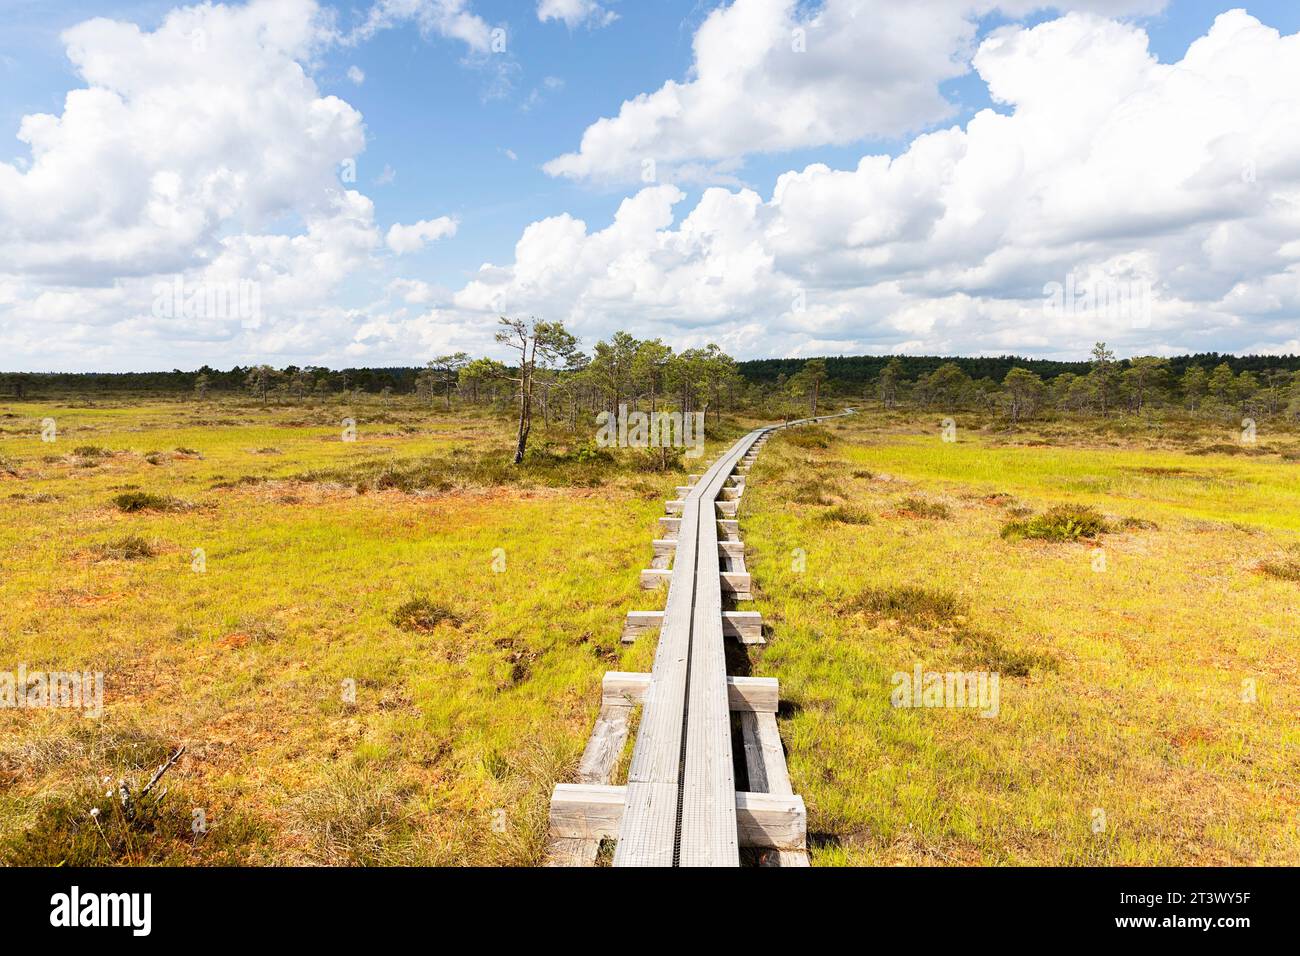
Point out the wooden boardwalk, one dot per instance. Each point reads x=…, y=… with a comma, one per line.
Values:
x=680, y=806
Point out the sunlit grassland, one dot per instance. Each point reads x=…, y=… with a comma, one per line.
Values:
x=457, y=734
x=1137, y=701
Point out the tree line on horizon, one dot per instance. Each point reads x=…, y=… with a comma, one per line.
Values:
x=1104, y=386
x=552, y=377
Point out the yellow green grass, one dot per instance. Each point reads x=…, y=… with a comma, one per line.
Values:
x=457, y=734
x=1159, y=661
x=1160, y=690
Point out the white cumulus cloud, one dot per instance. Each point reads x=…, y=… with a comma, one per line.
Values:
x=183, y=150
x=1102, y=163
x=413, y=237
x=772, y=75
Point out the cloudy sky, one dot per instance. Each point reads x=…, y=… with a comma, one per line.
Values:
x=373, y=182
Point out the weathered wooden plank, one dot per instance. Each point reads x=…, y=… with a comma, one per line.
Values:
x=737, y=584
x=772, y=820
x=586, y=811
x=582, y=811
x=652, y=578
x=605, y=745
x=668, y=527
x=749, y=694
x=572, y=851
x=673, y=507
x=668, y=547
x=769, y=743
x=755, y=767
x=791, y=858
x=764, y=756
x=745, y=626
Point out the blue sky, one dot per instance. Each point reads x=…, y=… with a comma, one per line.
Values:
x=450, y=132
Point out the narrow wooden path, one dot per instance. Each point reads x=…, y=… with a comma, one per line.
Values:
x=680, y=806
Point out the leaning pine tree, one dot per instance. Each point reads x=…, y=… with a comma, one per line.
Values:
x=540, y=345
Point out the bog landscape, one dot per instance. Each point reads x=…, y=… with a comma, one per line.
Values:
x=452, y=450
x=374, y=639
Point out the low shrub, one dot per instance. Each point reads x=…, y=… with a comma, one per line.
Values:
x=131, y=548
x=924, y=508
x=987, y=652
x=847, y=514
x=913, y=604
x=1062, y=523
x=136, y=501
x=1138, y=524
x=808, y=436
x=814, y=491
x=422, y=614
x=1285, y=570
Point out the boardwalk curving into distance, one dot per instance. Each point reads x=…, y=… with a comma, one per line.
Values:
x=680, y=806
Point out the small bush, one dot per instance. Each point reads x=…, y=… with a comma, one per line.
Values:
x=1062, y=523
x=923, y=508
x=187, y=451
x=159, y=831
x=91, y=451
x=1220, y=448
x=847, y=514
x=589, y=452
x=130, y=548
x=241, y=481
x=421, y=614
x=917, y=605
x=986, y=651
x=813, y=491
x=1285, y=570
x=268, y=451
x=809, y=436
x=1138, y=524
x=135, y=501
